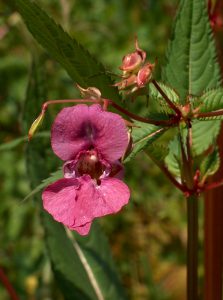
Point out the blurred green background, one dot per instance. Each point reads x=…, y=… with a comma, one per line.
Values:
x=148, y=238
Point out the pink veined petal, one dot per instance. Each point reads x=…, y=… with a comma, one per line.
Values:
x=59, y=200
x=69, y=133
x=96, y=201
x=111, y=138
x=82, y=127
x=82, y=230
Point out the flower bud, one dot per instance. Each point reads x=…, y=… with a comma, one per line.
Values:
x=127, y=82
x=133, y=61
x=35, y=125
x=145, y=74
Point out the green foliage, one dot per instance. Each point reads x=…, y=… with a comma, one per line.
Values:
x=192, y=68
x=21, y=140
x=211, y=101
x=171, y=93
x=77, y=61
x=52, y=178
x=191, y=56
x=71, y=260
x=157, y=152
x=173, y=159
x=142, y=136
x=210, y=164
x=204, y=135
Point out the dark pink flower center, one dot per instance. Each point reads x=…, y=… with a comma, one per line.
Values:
x=89, y=163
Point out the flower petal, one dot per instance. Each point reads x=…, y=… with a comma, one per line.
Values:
x=82, y=127
x=82, y=230
x=99, y=200
x=111, y=138
x=59, y=200
x=69, y=132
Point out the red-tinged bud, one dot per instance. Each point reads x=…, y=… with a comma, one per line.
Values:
x=144, y=75
x=127, y=82
x=133, y=61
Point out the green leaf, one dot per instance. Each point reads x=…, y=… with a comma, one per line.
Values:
x=142, y=136
x=157, y=152
x=192, y=66
x=191, y=56
x=171, y=93
x=71, y=261
x=211, y=101
x=79, y=64
x=52, y=178
x=210, y=164
x=21, y=140
x=173, y=159
x=204, y=135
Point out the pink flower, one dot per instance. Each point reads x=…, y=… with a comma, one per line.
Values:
x=90, y=141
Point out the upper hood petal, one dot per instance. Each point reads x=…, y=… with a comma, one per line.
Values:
x=83, y=127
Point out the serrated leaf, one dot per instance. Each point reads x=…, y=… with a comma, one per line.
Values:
x=204, y=135
x=192, y=66
x=171, y=93
x=211, y=101
x=210, y=164
x=52, y=178
x=173, y=159
x=142, y=136
x=157, y=152
x=79, y=64
x=191, y=56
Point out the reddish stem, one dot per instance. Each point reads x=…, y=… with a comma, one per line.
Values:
x=46, y=104
x=164, y=169
x=7, y=285
x=209, y=114
x=168, y=101
x=213, y=185
x=173, y=121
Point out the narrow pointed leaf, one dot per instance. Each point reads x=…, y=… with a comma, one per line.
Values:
x=79, y=64
x=68, y=266
x=52, y=178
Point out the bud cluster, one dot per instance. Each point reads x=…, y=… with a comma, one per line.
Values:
x=136, y=72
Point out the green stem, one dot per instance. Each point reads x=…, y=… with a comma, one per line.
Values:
x=192, y=248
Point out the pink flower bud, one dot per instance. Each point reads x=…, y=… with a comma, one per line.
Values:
x=133, y=61
x=127, y=82
x=145, y=74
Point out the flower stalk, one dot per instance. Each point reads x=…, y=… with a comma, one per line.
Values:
x=192, y=247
